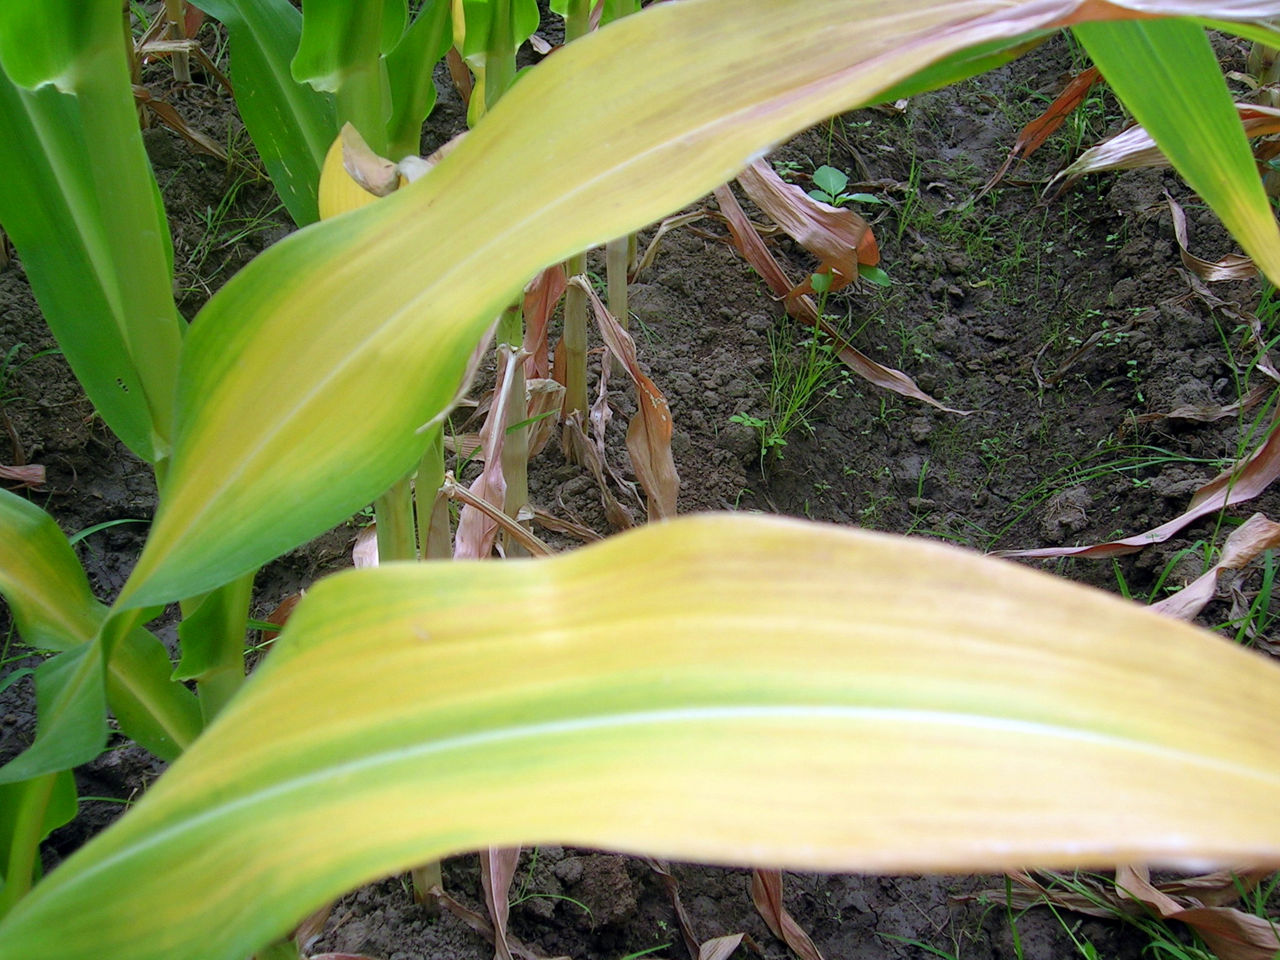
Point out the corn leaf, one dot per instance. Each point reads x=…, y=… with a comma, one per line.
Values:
x=53, y=608
x=1168, y=75
x=84, y=212
x=71, y=703
x=721, y=688
x=42, y=580
x=384, y=304
x=413, y=92
x=290, y=123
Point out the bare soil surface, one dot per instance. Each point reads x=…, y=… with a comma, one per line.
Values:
x=1059, y=323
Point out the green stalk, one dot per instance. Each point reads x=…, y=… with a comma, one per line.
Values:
x=361, y=101
x=575, y=341
x=24, y=847
x=178, y=27
x=397, y=539
x=617, y=256
x=430, y=504
x=577, y=23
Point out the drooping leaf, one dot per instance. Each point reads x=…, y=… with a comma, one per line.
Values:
x=815, y=697
x=384, y=303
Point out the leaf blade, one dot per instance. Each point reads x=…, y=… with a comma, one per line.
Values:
x=927, y=685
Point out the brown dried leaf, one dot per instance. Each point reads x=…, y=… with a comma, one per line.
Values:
x=1243, y=481
x=837, y=236
x=1032, y=136
x=1231, y=934
x=1208, y=413
x=583, y=451
x=309, y=930
x=556, y=524
x=719, y=948
x=766, y=894
x=803, y=308
x=376, y=174
x=1245, y=543
x=540, y=299
x=666, y=226
x=169, y=116
x=544, y=398
x=27, y=475
x=649, y=433
x=477, y=532
x=485, y=929
x=280, y=616
x=683, y=920
x=497, y=870
x=1233, y=266
x=1133, y=148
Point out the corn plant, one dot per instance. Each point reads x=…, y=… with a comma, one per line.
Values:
x=723, y=688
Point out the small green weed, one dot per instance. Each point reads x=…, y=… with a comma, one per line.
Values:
x=800, y=380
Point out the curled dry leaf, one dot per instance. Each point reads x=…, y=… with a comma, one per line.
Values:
x=837, y=236
x=766, y=894
x=364, y=552
x=484, y=928
x=27, y=475
x=540, y=299
x=171, y=118
x=1032, y=136
x=669, y=883
x=1133, y=148
x=1242, y=482
x=802, y=307
x=719, y=948
x=1245, y=543
x=1209, y=413
x=543, y=400
x=497, y=870
x=649, y=433
x=1233, y=266
x=581, y=450
x=1230, y=933
x=477, y=532
x=549, y=521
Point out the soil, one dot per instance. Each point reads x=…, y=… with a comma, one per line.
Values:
x=990, y=304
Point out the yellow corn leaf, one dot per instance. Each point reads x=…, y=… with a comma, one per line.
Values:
x=720, y=688
x=306, y=380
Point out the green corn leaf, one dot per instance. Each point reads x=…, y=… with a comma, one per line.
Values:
x=291, y=124
x=29, y=811
x=53, y=608
x=1168, y=75
x=723, y=688
x=340, y=52
x=80, y=202
x=409, y=68
x=395, y=18
x=42, y=580
x=71, y=724
x=386, y=303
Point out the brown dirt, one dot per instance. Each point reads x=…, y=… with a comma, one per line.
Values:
x=984, y=295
